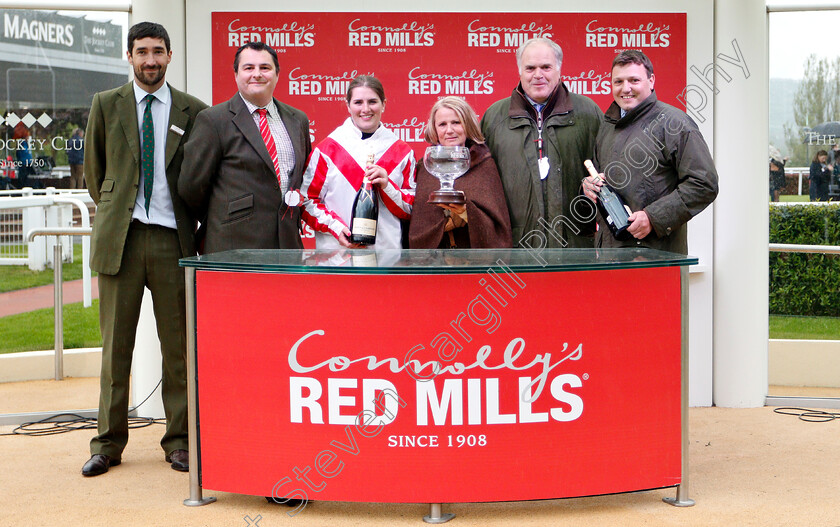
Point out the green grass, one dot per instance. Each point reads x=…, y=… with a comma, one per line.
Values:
x=34, y=330
x=14, y=277
x=804, y=198
x=804, y=328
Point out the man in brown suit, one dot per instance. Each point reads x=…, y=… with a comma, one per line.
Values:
x=141, y=230
x=243, y=157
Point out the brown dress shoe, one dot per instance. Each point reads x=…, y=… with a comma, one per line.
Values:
x=180, y=460
x=98, y=464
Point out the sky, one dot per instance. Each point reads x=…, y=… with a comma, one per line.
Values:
x=795, y=35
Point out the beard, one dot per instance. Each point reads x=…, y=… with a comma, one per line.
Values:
x=149, y=77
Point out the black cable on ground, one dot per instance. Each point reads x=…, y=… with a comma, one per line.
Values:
x=805, y=414
x=49, y=426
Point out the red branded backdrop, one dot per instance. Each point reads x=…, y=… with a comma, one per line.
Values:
x=420, y=57
x=282, y=379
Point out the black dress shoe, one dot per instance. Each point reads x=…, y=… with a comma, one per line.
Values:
x=99, y=464
x=288, y=502
x=180, y=460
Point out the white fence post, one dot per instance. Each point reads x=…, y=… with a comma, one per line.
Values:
x=35, y=218
x=52, y=222
x=85, y=220
x=65, y=219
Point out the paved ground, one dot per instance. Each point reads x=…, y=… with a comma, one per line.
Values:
x=25, y=300
x=748, y=467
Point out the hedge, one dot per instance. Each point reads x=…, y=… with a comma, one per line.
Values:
x=805, y=284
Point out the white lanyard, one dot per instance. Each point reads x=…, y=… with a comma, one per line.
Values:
x=542, y=164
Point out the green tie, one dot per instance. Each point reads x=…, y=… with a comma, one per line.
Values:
x=148, y=165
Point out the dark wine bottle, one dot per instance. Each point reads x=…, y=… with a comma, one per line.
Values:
x=365, y=212
x=611, y=206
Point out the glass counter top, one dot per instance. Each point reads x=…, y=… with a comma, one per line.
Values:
x=435, y=261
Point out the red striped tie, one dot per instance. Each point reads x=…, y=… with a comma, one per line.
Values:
x=268, y=139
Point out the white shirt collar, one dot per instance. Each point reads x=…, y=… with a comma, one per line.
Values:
x=270, y=107
x=162, y=94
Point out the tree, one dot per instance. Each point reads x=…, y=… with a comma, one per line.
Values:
x=817, y=100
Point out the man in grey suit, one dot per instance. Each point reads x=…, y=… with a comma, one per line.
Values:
x=135, y=136
x=243, y=157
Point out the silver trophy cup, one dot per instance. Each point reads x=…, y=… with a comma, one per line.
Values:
x=447, y=163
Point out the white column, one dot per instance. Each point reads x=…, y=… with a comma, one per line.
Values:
x=171, y=15
x=741, y=231
x=146, y=366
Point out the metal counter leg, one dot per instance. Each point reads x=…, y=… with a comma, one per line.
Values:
x=436, y=516
x=682, y=499
x=195, y=498
x=59, y=311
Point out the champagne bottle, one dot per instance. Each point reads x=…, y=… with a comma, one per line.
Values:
x=611, y=206
x=365, y=211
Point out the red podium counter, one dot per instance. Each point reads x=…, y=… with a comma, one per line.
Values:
x=437, y=376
